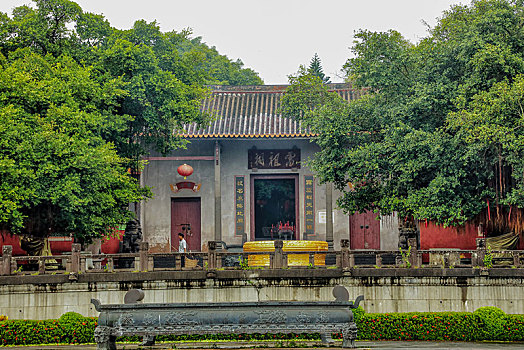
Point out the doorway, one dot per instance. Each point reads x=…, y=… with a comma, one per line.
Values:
x=364, y=231
x=185, y=218
x=274, y=207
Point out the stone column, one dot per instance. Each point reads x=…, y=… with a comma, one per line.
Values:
x=278, y=259
x=5, y=266
x=345, y=257
x=218, y=195
x=481, y=252
x=211, y=255
x=144, y=256
x=414, y=256
x=329, y=215
x=75, y=257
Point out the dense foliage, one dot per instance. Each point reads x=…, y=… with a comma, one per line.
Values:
x=438, y=134
x=162, y=73
x=57, y=172
x=71, y=328
x=487, y=323
x=82, y=102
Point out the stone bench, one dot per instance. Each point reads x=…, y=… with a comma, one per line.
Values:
x=150, y=320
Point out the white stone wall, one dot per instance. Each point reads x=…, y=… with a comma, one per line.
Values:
x=383, y=294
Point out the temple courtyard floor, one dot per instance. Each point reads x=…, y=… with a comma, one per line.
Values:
x=363, y=345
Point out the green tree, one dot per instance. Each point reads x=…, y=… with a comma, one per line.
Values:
x=216, y=68
x=81, y=102
x=156, y=102
x=315, y=68
x=437, y=135
x=164, y=73
x=57, y=174
x=44, y=29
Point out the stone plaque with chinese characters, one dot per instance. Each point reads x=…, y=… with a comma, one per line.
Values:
x=309, y=204
x=239, y=205
x=274, y=158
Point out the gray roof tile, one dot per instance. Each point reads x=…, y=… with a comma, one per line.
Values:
x=252, y=111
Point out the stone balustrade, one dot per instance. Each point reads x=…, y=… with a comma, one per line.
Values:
x=78, y=262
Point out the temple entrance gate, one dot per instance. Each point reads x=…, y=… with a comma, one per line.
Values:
x=274, y=207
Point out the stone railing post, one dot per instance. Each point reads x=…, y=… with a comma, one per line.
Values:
x=110, y=264
x=84, y=261
x=212, y=255
x=481, y=252
x=7, y=254
x=378, y=260
x=75, y=257
x=351, y=260
x=41, y=266
x=344, y=254
x=144, y=256
x=312, y=259
x=516, y=259
x=278, y=261
x=413, y=256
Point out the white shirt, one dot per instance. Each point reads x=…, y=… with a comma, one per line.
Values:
x=182, y=246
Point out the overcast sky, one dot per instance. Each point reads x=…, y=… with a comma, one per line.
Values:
x=274, y=36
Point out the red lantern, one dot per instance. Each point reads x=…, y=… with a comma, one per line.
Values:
x=185, y=170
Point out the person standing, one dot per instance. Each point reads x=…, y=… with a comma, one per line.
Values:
x=182, y=248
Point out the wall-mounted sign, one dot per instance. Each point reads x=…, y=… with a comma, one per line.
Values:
x=322, y=216
x=185, y=185
x=239, y=205
x=309, y=204
x=274, y=158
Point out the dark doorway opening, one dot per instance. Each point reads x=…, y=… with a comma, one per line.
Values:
x=274, y=207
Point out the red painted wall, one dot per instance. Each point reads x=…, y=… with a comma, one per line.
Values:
x=8, y=239
x=438, y=236
x=59, y=244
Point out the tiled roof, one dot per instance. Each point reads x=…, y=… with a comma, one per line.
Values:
x=252, y=111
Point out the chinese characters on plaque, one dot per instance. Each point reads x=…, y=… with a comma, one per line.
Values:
x=274, y=158
x=309, y=204
x=239, y=205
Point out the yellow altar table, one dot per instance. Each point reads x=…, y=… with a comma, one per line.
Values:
x=289, y=246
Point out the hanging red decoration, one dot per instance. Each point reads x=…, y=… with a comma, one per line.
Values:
x=185, y=170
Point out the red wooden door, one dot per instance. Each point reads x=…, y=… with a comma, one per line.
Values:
x=185, y=218
x=364, y=231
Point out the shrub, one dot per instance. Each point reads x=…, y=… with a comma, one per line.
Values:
x=491, y=322
x=69, y=329
x=513, y=328
x=461, y=326
x=71, y=317
x=487, y=323
x=76, y=328
x=358, y=313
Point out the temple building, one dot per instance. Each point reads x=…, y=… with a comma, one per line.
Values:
x=250, y=181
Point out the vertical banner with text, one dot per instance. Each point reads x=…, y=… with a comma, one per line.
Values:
x=239, y=205
x=309, y=205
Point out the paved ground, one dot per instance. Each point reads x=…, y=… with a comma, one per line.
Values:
x=363, y=345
